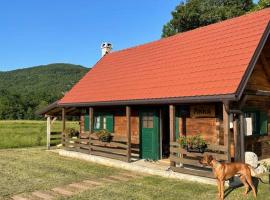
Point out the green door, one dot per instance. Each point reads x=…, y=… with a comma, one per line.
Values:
x=149, y=142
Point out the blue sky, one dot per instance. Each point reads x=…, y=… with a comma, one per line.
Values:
x=35, y=32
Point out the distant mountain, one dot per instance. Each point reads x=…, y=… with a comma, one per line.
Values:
x=23, y=91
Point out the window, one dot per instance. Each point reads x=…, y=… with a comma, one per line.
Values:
x=97, y=122
x=256, y=123
x=148, y=120
x=103, y=121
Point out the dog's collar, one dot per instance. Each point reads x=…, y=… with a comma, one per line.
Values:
x=216, y=164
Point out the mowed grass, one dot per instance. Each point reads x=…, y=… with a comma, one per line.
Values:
x=157, y=188
x=27, y=170
x=27, y=133
x=31, y=169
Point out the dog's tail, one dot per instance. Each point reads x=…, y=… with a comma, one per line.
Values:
x=254, y=174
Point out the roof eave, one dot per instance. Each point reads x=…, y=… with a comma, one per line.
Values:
x=253, y=62
x=175, y=100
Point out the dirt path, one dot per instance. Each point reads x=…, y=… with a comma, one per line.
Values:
x=76, y=187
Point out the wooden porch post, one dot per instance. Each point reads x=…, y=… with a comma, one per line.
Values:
x=172, y=127
x=237, y=151
x=48, y=132
x=226, y=128
x=91, y=122
x=161, y=132
x=242, y=138
x=128, y=114
x=63, y=125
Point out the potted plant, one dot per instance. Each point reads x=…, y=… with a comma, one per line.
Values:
x=193, y=143
x=104, y=135
x=72, y=133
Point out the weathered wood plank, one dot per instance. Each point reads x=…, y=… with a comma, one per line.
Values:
x=193, y=172
x=179, y=160
x=107, y=155
x=217, y=156
x=172, y=127
x=210, y=147
x=110, y=150
x=128, y=114
x=226, y=129
x=108, y=144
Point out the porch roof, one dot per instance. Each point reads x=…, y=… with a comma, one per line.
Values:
x=212, y=62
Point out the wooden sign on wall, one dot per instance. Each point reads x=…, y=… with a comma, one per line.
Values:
x=202, y=111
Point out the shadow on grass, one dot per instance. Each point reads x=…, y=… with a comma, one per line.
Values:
x=232, y=188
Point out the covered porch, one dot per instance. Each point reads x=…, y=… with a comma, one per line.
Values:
x=133, y=124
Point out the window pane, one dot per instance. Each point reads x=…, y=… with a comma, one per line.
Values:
x=97, y=122
x=145, y=124
x=150, y=124
x=104, y=123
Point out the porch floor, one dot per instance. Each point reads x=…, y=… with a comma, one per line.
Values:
x=159, y=168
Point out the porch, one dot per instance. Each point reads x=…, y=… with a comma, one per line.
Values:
x=164, y=122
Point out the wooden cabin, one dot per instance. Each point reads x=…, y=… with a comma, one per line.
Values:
x=213, y=81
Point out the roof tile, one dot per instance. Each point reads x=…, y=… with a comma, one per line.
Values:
x=210, y=60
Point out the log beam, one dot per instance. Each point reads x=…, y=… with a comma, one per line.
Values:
x=48, y=132
x=91, y=126
x=172, y=127
x=63, y=125
x=237, y=145
x=226, y=129
x=242, y=138
x=128, y=119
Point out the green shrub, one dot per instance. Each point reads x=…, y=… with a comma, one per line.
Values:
x=192, y=142
x=72, y=132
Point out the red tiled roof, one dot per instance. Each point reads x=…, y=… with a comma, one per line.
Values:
x=210, y=60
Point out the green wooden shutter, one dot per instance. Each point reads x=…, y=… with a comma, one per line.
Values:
x=109, y=123
x=86, y=122
x=263, y=123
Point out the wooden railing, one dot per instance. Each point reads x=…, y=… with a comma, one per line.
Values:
x=115, y=149
x=55, y=139
x=188, y=162
x=259, y=145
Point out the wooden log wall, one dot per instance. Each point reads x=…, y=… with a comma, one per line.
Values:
x=259, y=81
x=120, y=124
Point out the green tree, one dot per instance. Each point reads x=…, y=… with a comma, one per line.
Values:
x=24, y=91
x=192, y=14
x=262, y=4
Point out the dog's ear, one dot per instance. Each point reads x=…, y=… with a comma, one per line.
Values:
x=210, y=158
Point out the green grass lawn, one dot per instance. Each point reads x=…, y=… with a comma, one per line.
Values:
x=26, y=170
x=157, y=188
x=26, y=133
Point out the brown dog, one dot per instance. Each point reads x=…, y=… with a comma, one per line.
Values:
x=225, y=171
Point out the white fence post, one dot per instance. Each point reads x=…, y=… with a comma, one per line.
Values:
x=48, y=132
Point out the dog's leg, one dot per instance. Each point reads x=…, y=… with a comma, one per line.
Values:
x=222, y=189
x=218, y=184
x=249, y=180
x=244, y=181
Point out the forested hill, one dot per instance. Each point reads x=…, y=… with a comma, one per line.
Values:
x=23, y=91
